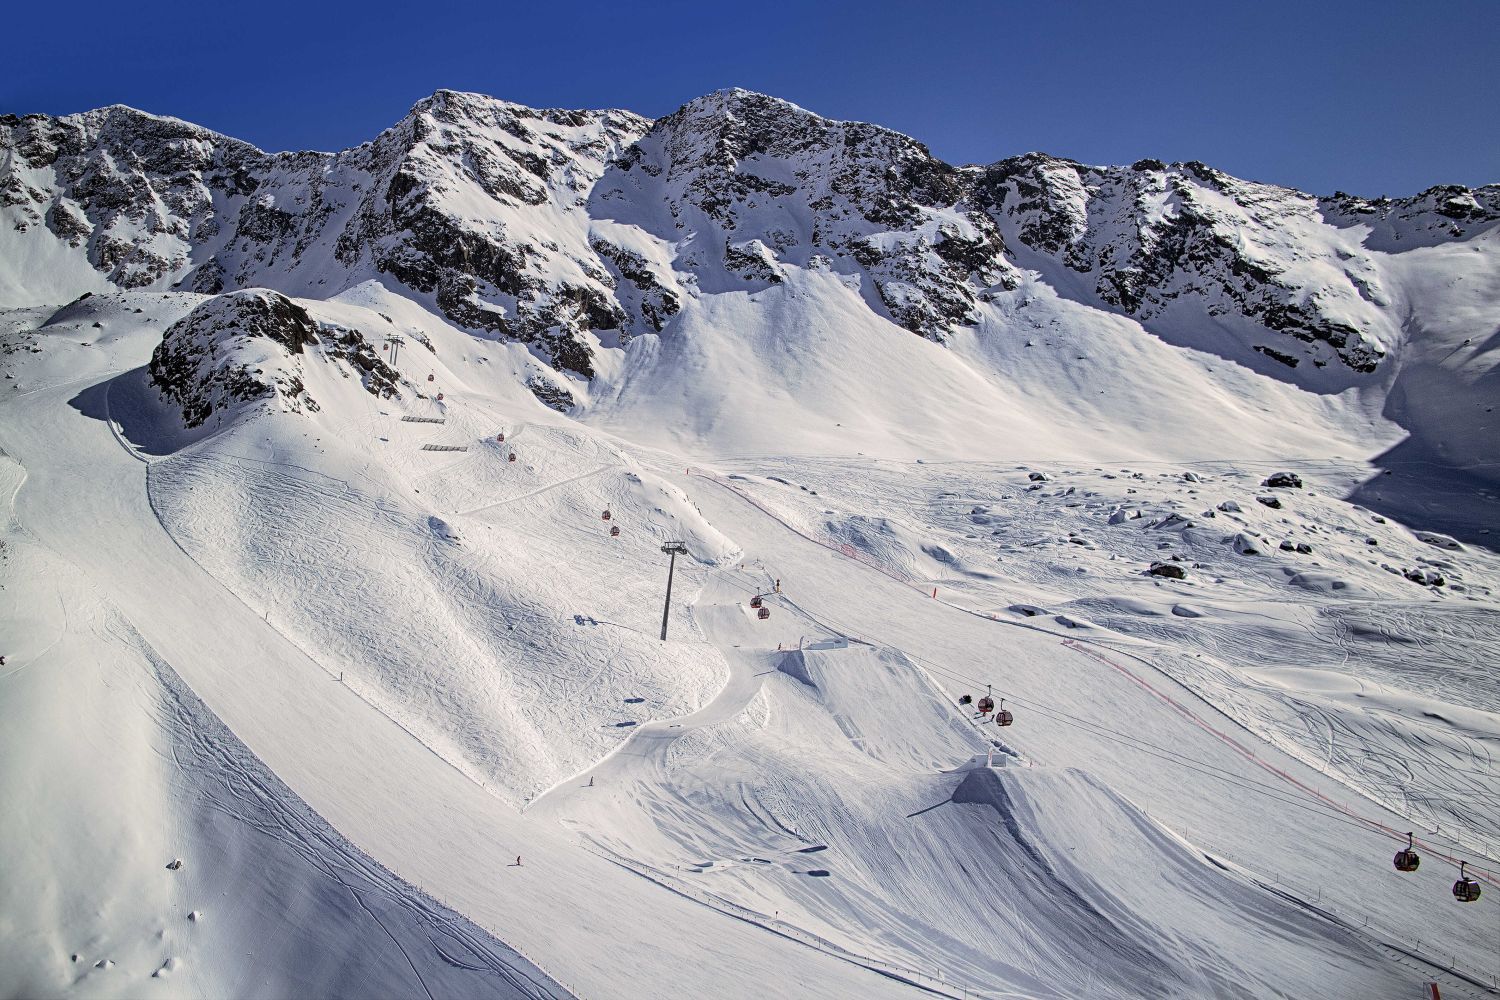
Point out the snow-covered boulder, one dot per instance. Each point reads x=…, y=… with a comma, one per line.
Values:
x=251, y=345
x=1439, y=540
x=1170, y=570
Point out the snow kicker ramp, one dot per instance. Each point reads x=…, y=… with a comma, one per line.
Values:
x=850, y=799
x=1050, y=878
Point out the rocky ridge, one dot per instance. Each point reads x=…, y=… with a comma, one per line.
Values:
x=574, y=231
x=252, y=346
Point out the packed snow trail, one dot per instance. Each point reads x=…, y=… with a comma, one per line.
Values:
x=1311, y=849
x=1251, y=755
x=123, y=769
x=876, y=906
x=1096, y=648
x=391, y=796
x=642, y=803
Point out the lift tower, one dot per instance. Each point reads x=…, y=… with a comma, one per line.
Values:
x=673, y=549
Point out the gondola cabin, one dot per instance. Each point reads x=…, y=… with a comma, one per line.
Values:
x=1465, y=890
x=756, y=601
x=1003, y=717
x=605, y=516
x=986, y=705
x=512, y=457
x=614, y=532
x=1407, y=860
x=763, y=613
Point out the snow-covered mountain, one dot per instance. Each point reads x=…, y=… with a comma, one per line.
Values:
x=472, y=203
x=336, y=489
x=576, y=231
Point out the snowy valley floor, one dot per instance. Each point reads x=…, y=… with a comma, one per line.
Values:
x=351, y=684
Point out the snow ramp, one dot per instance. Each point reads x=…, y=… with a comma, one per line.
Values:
x=885, y=705
x=859, y=809
x=1114, y=904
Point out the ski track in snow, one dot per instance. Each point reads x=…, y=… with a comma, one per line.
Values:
x=821, y=812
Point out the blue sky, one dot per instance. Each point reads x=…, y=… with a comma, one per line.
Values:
x=1372, y=97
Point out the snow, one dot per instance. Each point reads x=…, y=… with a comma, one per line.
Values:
x=405, y=720
x=342, y=602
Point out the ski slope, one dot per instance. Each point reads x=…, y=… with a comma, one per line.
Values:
x=335, y=493
x=381, y=787
x=426, y=664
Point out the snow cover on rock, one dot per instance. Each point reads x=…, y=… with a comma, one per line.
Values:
x=336, y=491
x=579, y=232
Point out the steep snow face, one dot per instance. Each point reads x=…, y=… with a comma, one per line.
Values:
x=1203, y=260
x=743, y=186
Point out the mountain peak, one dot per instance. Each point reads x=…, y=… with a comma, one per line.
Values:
x=469, y=106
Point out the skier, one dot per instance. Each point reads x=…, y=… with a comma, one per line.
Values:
x=518, y=861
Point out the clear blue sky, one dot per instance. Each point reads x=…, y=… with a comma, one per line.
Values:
x=1373, y=97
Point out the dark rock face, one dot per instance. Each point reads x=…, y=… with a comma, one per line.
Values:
x=551, y=394
x=378, y=378
x=647, y=302
x=1284, y=480
x=1440, y=214
x=552, y=226
x=1169, y=570
x=750, y=181
x=250, y=345
x=1155, y=237
x=153, y=200
x=134, y=191
x=455, y=149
